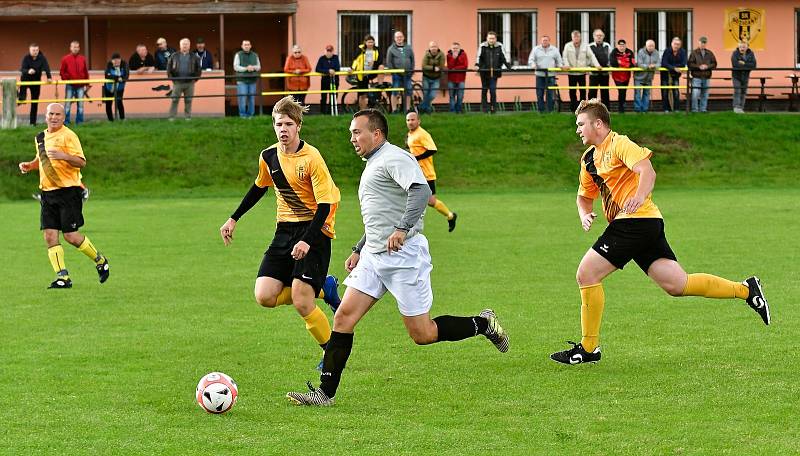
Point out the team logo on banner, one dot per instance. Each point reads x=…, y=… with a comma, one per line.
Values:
x=744, y=24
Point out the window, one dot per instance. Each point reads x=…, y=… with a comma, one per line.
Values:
x=662, y=26
x=515, y=29
x=353, y=27
x=585, y=22
x=797, y=32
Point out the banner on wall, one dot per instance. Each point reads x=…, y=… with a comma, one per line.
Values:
x=744, y=24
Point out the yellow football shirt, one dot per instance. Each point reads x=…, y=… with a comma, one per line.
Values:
x=606, y=171
x=418, y=141
x=55, y=174
x=301, y=181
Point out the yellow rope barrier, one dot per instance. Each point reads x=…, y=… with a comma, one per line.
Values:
x=615, y=87
x=309, y=92
x=76, y=100
x=338, y=73
x=585, y=69
x=62, y=82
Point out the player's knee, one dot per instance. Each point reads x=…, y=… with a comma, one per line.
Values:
x=422, y=338
x=584, y=278
x=673, y=289
x=343, y=321
x=74, y=238
x=266, y=300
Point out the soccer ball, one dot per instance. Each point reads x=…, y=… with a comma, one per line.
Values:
x=217, y=393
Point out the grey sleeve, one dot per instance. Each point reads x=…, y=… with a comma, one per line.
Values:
x=360, y=244
x=418, y=195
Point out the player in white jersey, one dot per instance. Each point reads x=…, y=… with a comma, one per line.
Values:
x=391, y=256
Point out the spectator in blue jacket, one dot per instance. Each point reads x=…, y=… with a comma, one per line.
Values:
x=673, y=59
x=117, y=71
x=328, y=64
x=206, y=59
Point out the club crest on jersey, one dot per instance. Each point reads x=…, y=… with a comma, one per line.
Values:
x=300, y=169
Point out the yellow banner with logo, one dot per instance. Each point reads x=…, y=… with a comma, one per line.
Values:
x=744, y=24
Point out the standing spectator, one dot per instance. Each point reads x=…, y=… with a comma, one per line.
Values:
x=142, y=61
x=602, y=52
x=206, y=59
x=673, y=60
x=297, y=63
x=163, y=53
x=33, y=64
x=622, y=57
x=247, y=67
x=577, y=55
x=367, y=58
x=742, y=61
x=457, y=65
x=400, y=56
x=543, y=57
x=648, y=60
x=432, y=65
x=183, y=68
x=328, y=64
x=116, y=70
x=491, y=60
x=700, y=64
x=73, y=67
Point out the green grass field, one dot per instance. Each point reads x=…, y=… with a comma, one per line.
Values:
x=112, y=369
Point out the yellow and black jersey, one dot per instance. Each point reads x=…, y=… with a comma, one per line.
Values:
x=55, y=174
x=301, y=180
x=419, y=141
x=606, y=171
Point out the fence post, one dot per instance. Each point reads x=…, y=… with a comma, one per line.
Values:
x=9, y=104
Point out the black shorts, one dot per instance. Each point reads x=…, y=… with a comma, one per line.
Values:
x=432, y=185
x=62, y=209
x=363, y=84
x=641, y=240
x=279, y=264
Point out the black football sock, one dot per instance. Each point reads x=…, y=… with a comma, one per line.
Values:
x=336, y=354
x=458, y=328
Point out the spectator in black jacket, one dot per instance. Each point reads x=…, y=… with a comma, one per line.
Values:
x=328, y=64
x=117, y=71
x=163, y=53
x=602, y=51
x=142, y=61
x=206, y=59
x=491, y=60
x=742, y=61
x=183, y=68
x=33, y=64
x=674, y=60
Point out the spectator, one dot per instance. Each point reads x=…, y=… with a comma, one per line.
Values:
x=400, y=56
x=116, y=70
x=673, y=59
x=622, y=57
x=73, y=67
x=247, y=67
x=368, y=58
x=163, y=53
x=457, y=64
x=700, y=64
x=297, y=63
x=648, y=60
x=33, y=64
x=577, y=55
x=183, y=68
x=742, y=61
x=602, y=52
x=142, y=61
x=328, y=64
x=206, y=59
x=432, y=65
x=543, y=57
x=491, y=60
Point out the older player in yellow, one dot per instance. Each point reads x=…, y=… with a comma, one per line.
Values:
x=59, y=160
x=421, y=145
x=618, y=171
x=294, y=268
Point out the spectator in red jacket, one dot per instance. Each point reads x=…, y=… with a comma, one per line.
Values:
x=622, y=57
x=73, y=67
x=457, y=65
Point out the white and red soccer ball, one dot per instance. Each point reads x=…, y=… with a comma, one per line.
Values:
x=217, y=393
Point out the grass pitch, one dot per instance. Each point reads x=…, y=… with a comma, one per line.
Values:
x=111, y=369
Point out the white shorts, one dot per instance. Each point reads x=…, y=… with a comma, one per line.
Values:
x=405, y=274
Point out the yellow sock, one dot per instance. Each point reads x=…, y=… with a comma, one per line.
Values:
x=442, y=209
x=56, y=256
x=711, y=286
x=321, y=294
x=284, y=297
x=88, y=249
x=593, y=300
x=317, y=324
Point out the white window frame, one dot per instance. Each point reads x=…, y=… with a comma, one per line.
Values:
x=373, y=24
x=505, y=34
x=586, y=34
x=664, y=41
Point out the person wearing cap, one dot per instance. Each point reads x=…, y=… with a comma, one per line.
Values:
x=117, y=71
x=700, y=64
x=206, y=59
x=163, y=53
x=621, y=57
x=328, y=64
